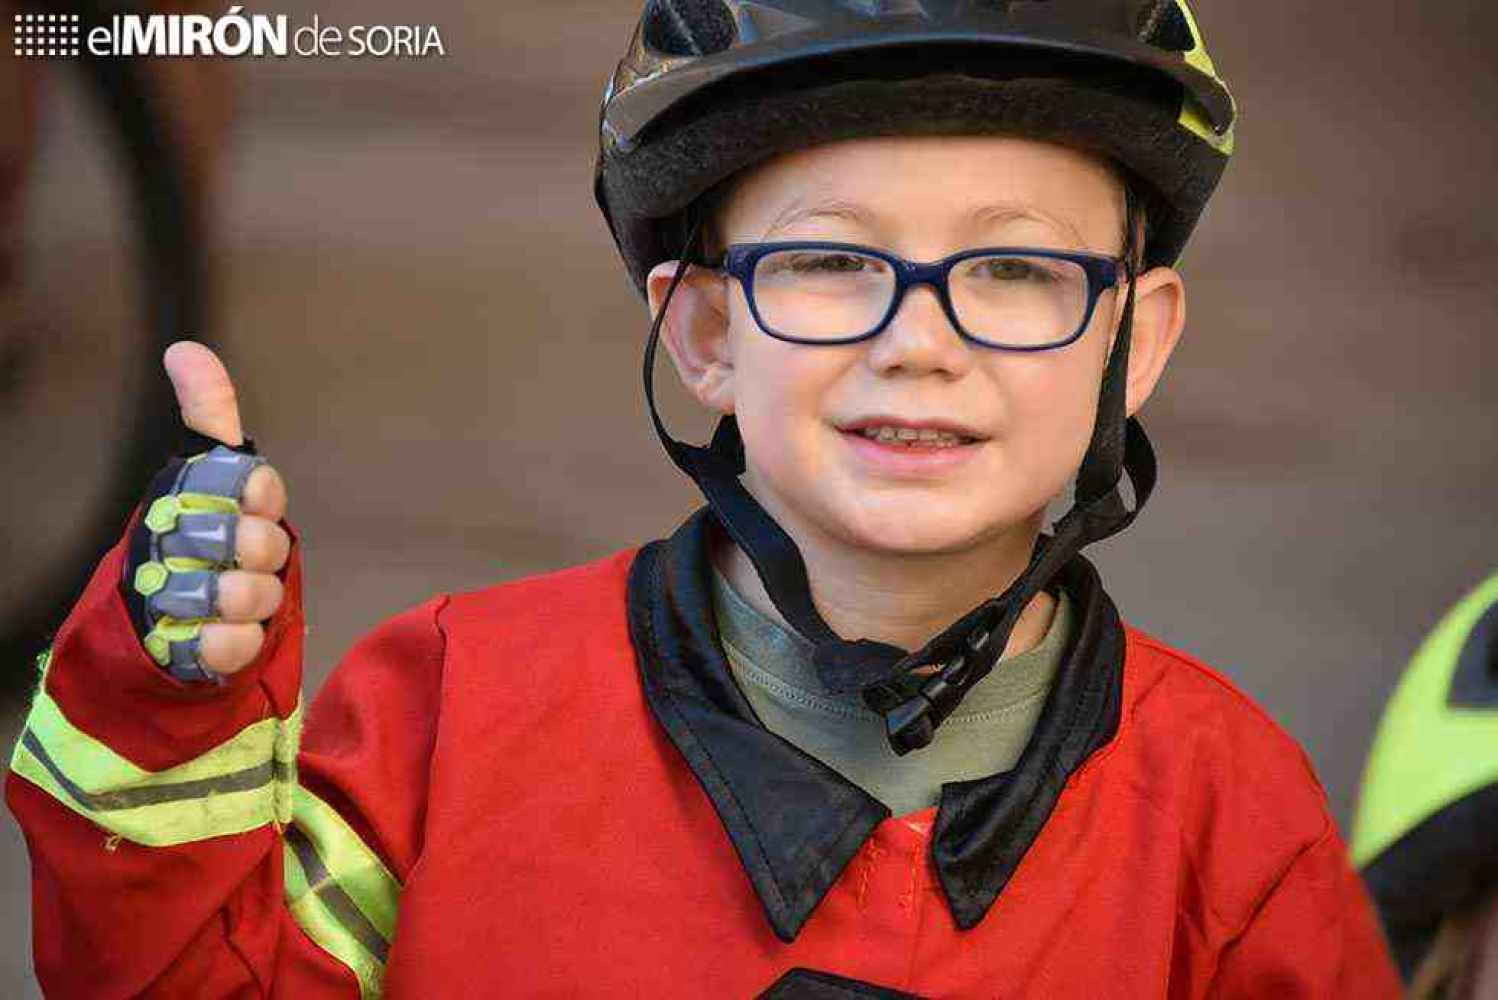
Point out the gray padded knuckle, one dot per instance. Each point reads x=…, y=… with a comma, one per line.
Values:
x=187, y=594
x=187, y=665
x=202, y=536
x=222, y=472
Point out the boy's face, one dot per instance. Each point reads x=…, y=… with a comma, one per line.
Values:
x=1026, y=417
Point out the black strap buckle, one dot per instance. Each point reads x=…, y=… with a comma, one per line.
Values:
x=914, y=705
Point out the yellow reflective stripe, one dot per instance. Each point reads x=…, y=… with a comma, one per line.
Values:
x=340, y=892
x=1192, y=117
x=243, y=783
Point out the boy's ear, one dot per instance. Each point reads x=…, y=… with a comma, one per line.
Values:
x=1159, y=319
x=696, y=331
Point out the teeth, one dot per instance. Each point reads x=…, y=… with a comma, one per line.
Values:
x=908, y=436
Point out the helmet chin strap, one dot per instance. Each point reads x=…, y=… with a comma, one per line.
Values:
x=915, y=701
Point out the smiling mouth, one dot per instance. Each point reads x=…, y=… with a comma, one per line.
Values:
x=913, y=438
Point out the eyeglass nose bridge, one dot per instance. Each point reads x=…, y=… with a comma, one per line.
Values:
x=910, y=274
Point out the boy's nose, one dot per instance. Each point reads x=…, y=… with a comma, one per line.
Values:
x=920, y=339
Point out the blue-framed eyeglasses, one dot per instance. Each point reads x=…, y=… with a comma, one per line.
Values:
x=1010, y=298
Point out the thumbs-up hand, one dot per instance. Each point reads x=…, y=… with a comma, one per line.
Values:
x=202, y=578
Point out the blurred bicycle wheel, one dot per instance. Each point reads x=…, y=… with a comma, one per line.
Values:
x=108, y=169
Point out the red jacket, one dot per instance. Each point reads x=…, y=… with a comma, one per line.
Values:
x=547, y=788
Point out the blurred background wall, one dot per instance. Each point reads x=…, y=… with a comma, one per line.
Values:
x=434, y=341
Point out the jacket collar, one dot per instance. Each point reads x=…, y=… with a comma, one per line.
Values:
x=795, y=822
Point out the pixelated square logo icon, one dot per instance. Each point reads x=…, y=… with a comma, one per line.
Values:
x=46, y=35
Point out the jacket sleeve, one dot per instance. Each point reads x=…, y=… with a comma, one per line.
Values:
x=1314, y=935
x=186, y=840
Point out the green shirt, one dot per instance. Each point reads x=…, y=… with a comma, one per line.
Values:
x=987, y=733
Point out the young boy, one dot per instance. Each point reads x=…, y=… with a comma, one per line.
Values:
x=921, y=256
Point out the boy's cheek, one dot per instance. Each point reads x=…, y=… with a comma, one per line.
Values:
x=1057, y=395
x=784, y=382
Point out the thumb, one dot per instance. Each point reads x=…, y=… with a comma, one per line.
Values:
x=205, y=394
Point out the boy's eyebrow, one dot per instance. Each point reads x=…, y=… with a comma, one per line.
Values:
x=1011, y=211
x=853, y=212
x=796, y=211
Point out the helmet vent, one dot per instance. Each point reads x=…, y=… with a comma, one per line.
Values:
x=1164, y=26
x=688, y=27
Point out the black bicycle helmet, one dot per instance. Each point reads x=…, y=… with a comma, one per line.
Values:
x=710, y=87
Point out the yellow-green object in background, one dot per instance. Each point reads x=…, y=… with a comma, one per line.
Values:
x=1429, y=750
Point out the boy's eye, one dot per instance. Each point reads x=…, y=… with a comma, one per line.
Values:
x=826, y=263
x=1007, y=269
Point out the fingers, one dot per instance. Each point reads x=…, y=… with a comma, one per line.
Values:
x=205, y=394
x=261, y=545
x=248, y=597
x=245, y=600
x=229, y=648
x=264, y=494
